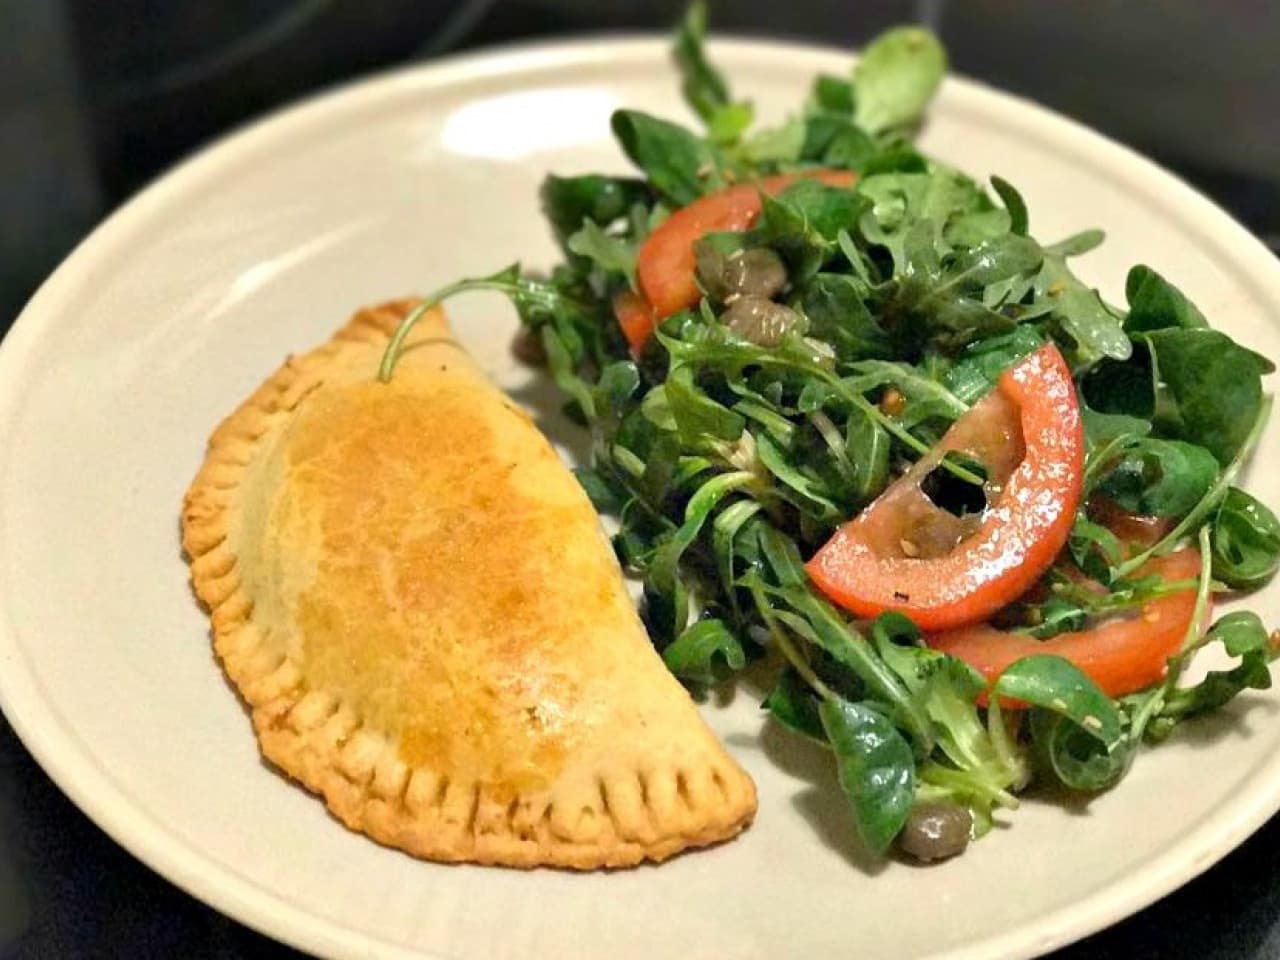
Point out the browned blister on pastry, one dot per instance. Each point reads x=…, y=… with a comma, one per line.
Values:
x=416, y=600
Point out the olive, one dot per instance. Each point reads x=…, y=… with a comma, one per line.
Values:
x=760, y=321
x=756, y=272
x=935, y=831
x=527, y=347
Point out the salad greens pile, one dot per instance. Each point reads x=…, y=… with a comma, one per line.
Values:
x=730, y=451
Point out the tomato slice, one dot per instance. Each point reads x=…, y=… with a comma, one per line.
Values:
x=635, y=317
x=666, y=263
x=1139, y=530
x=1121, y=655
x=905, y=553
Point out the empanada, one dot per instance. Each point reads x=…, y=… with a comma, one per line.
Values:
x=416, y=600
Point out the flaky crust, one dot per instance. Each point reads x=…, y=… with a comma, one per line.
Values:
x=459, y=686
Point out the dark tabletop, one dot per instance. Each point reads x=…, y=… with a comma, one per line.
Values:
x=97, y=97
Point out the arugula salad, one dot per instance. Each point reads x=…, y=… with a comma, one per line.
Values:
x=869, y=438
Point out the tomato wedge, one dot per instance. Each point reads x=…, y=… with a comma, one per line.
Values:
x=665, y=264
x=1121, y=655
x=907, y=554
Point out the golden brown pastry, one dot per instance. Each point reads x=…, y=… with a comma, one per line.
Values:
x=415, y=598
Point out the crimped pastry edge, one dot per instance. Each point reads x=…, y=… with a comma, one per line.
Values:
x=323, y=743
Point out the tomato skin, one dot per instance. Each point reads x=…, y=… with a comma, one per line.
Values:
x=862, y=569
x=1120, y=656
x=635, y=317
x=666, y=264
x=1139, y=530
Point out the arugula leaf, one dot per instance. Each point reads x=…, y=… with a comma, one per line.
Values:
x=795, y=706
x=867, y=446
x=802, y=225
x=941, y=303
x=680, y=165
x=835, y=305
x=1094, y=329
x=1246, y=541
x=568, y=201
x=704, y=653
x=875, y=767
x=604, y=496
x=925, y=398
x=1242, y=635
x=1013, y=203
x=611, y=254
x=981, y=364
x=696, y=416
x=896, y=78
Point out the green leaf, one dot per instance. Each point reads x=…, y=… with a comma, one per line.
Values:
x=697, y=417
x=1094, y=548
x=833, y=94
x=680, y=165
x=1242, y=635
x=604, y=495
x=834, y=140
x=938, y=303
x=925, y=398
x=981, y=364
x=612, y=254
x=900, y=201
x=896, y=77
x=875, y=767
x=1094, y=330
x=1155, y=303
x=795, y=706
x=1208, y=503
x=1162, y=478
x=1077, y=244
x=837, y=312
x=867, y=445
x=781, y=144
x=824, y=209
x=1240, y=632
x=1102, y=431
x=778, y=463
x=1208, y=388
x=705, y=653
x=1246, y=541
x=1076, y=758
x=568, y=201
x=1013, y=203
x=730, y=122
x=703, y=86
x=1057, y=685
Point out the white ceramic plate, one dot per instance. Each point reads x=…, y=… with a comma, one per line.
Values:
x=184, y=300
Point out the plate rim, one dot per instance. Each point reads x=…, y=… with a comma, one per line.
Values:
x=56, y=748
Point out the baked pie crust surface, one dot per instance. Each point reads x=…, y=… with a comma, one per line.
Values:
x=416, y=600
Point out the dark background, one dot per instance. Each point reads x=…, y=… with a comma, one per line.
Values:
x=97, y=97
